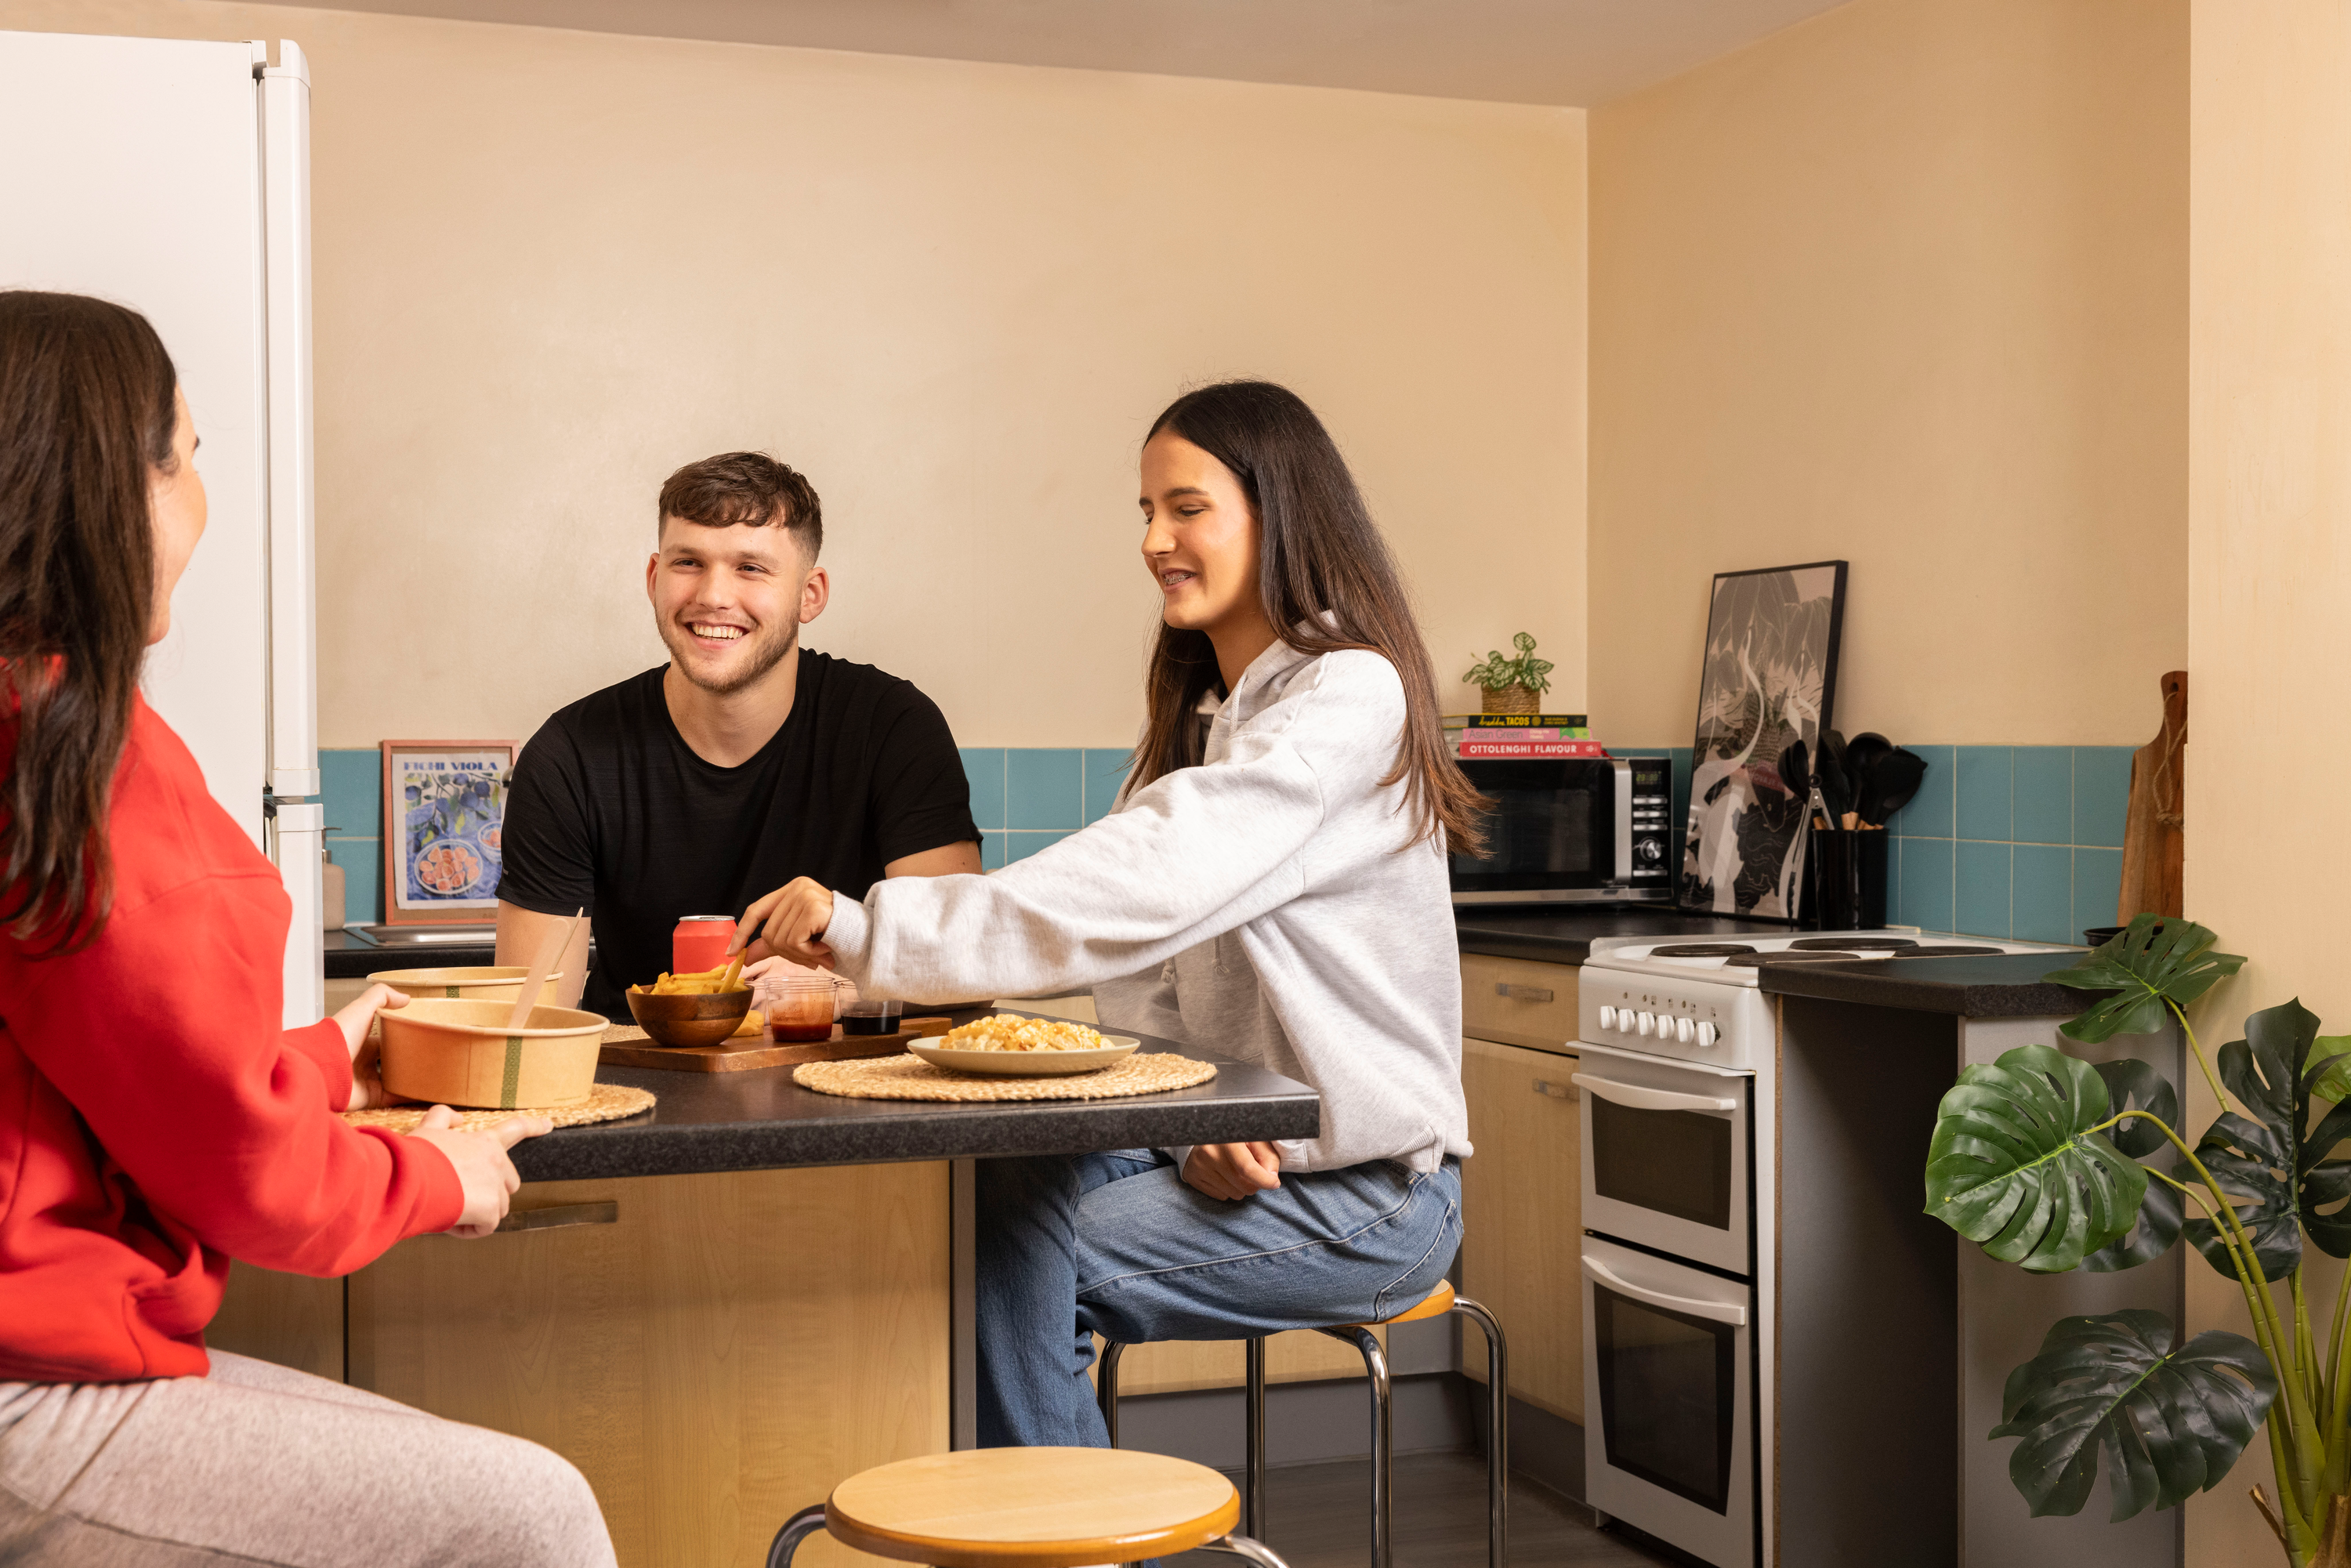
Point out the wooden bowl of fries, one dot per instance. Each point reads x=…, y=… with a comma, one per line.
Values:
x=690, y=1010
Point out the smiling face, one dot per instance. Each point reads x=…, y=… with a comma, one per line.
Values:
x=175, y=510
x=1199, y=539
x=728, y=601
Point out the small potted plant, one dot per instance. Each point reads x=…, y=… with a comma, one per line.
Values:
x=1512, y=686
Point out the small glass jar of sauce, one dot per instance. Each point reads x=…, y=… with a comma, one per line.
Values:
x=799, y=1006
x=700, y=943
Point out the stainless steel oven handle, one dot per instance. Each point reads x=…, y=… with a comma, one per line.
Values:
x=1717, y=1312
x=1642, y=1099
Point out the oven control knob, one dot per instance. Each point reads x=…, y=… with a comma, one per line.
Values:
x=1684, y=1030
x=1648, y=1024
x=1607, y=1018
x=1707, y=1034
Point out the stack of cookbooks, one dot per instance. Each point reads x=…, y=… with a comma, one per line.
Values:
x=1504, y=735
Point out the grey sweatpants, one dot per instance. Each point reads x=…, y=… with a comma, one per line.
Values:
x=257, y=1464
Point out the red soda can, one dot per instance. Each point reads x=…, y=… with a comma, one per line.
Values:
x=700, y=943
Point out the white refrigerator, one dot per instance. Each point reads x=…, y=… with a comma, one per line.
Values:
x=174, y=177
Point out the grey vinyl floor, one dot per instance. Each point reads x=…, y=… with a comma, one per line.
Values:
x=1319, y=1516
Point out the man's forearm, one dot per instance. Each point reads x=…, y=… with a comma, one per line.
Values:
x=524, y=934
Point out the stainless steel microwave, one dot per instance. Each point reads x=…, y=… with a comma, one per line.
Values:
x=1567, y=830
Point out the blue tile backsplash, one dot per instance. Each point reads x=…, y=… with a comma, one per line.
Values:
x=1022, y=798
x=2000, y=840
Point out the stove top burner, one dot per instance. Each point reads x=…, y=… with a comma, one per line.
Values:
x=1700, y=950
x=1851, y=944
x=1951, y=950
x=1757, y=960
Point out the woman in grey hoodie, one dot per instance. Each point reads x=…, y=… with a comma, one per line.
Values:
x=1271, y=885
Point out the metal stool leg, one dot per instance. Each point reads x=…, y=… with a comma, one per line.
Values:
x=1497, y=1431
x=1106, y=1385
x=1375, y=1363
x=1253, y=1494
x=797, y=1529
x=1242, y=1546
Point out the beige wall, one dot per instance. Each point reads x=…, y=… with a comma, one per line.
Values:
x=2269, y=549
x=552, y=265
x=1904, y=284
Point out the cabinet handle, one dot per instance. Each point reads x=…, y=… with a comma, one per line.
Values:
x=561, y=1215
x=1556, y=1090
x=1523, y=993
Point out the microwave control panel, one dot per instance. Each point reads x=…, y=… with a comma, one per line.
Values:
x=1652, y=803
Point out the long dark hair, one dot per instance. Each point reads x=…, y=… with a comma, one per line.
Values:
x=1327, y=582
x=86, y=414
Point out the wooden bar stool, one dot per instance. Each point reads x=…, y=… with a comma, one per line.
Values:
x=1029, y=1507
x=1436, y=1304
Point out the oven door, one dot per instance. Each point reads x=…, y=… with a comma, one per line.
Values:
x=1669, y=1422
x=1666, y=1156
x=1551, y=831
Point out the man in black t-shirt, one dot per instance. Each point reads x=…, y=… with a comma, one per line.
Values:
x=744, y=762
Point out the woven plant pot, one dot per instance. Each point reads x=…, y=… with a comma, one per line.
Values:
x=1513, y=699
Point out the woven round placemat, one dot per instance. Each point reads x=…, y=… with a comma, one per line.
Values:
x=909, y=1077
x=605, y=1103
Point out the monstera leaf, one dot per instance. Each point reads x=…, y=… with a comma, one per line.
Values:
x=2132, y=1085
x=2256, y=1171
x=2170, y=1422
x=2014, y=1168
x=2281, y=1174
x=2145, y=967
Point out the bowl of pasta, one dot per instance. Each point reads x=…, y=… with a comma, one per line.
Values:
x=691, y=1009
x=1005, y=1045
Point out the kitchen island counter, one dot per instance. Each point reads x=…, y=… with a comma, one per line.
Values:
x=761, y=1120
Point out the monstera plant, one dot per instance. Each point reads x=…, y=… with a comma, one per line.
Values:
x=2038, y=1158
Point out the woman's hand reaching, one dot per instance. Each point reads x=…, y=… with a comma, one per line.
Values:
x=484, y=1170
x=1233, y=1171
x=789, y=922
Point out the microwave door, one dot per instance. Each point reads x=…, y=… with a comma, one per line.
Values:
x=1550, y=826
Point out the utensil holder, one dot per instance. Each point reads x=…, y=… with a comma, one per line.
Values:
x=1845, y=871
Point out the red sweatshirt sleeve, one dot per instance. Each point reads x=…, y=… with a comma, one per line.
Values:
x=166, y=1035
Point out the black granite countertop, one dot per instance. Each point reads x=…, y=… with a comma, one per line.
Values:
x=760, y=1119
x=1557, y=935
x=2008, y=984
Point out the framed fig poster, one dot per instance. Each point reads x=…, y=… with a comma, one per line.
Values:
x=1764, y=695
x=444, y=809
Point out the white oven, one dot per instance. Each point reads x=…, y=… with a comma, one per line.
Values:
x=1668, y=1378
x=1667, y=1155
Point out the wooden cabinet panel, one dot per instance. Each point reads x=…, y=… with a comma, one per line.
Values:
x=714, y=1359
x=290, y=1319
x=1522, y=1221
x=1520, y=1002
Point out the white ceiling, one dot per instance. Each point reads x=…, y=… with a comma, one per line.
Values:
x=1578, y=52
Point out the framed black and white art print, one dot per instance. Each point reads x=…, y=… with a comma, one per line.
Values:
x=1768, y=682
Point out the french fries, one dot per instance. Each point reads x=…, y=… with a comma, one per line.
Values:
x=703, y=983
x=1000, y=1033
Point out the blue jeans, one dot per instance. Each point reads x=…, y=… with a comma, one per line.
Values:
x=1069, y=1246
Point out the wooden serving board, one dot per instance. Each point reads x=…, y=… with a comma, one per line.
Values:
x=625, y=1045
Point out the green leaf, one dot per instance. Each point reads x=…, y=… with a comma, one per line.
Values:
x=2256, y=1173
x=2145, y=967
x=2133, y=1085
x=2171, y=1422
x=2159, y=1214
x=2014, y=1168
x=1524, y=642
x=2327, y=1073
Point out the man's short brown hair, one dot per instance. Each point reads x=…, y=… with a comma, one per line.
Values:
x=745, y=487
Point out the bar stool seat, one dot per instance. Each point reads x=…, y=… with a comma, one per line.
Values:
x=1436, y=1304
x=1029, y=1507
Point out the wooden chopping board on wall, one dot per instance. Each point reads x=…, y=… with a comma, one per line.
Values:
x=2155, y=844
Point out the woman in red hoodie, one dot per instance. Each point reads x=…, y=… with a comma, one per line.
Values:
x=155, y=1120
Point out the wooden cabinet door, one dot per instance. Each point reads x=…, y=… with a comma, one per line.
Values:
x=714, y=1351
x=1522, y=1218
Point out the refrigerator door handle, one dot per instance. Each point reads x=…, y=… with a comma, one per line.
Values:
x=1717, y=1311
x=285, y=91
x=1642, y=1099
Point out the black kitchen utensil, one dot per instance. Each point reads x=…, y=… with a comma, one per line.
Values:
x=1828, y=773
x=1795, y=768
x=1894, y=778
x=1860, y=758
